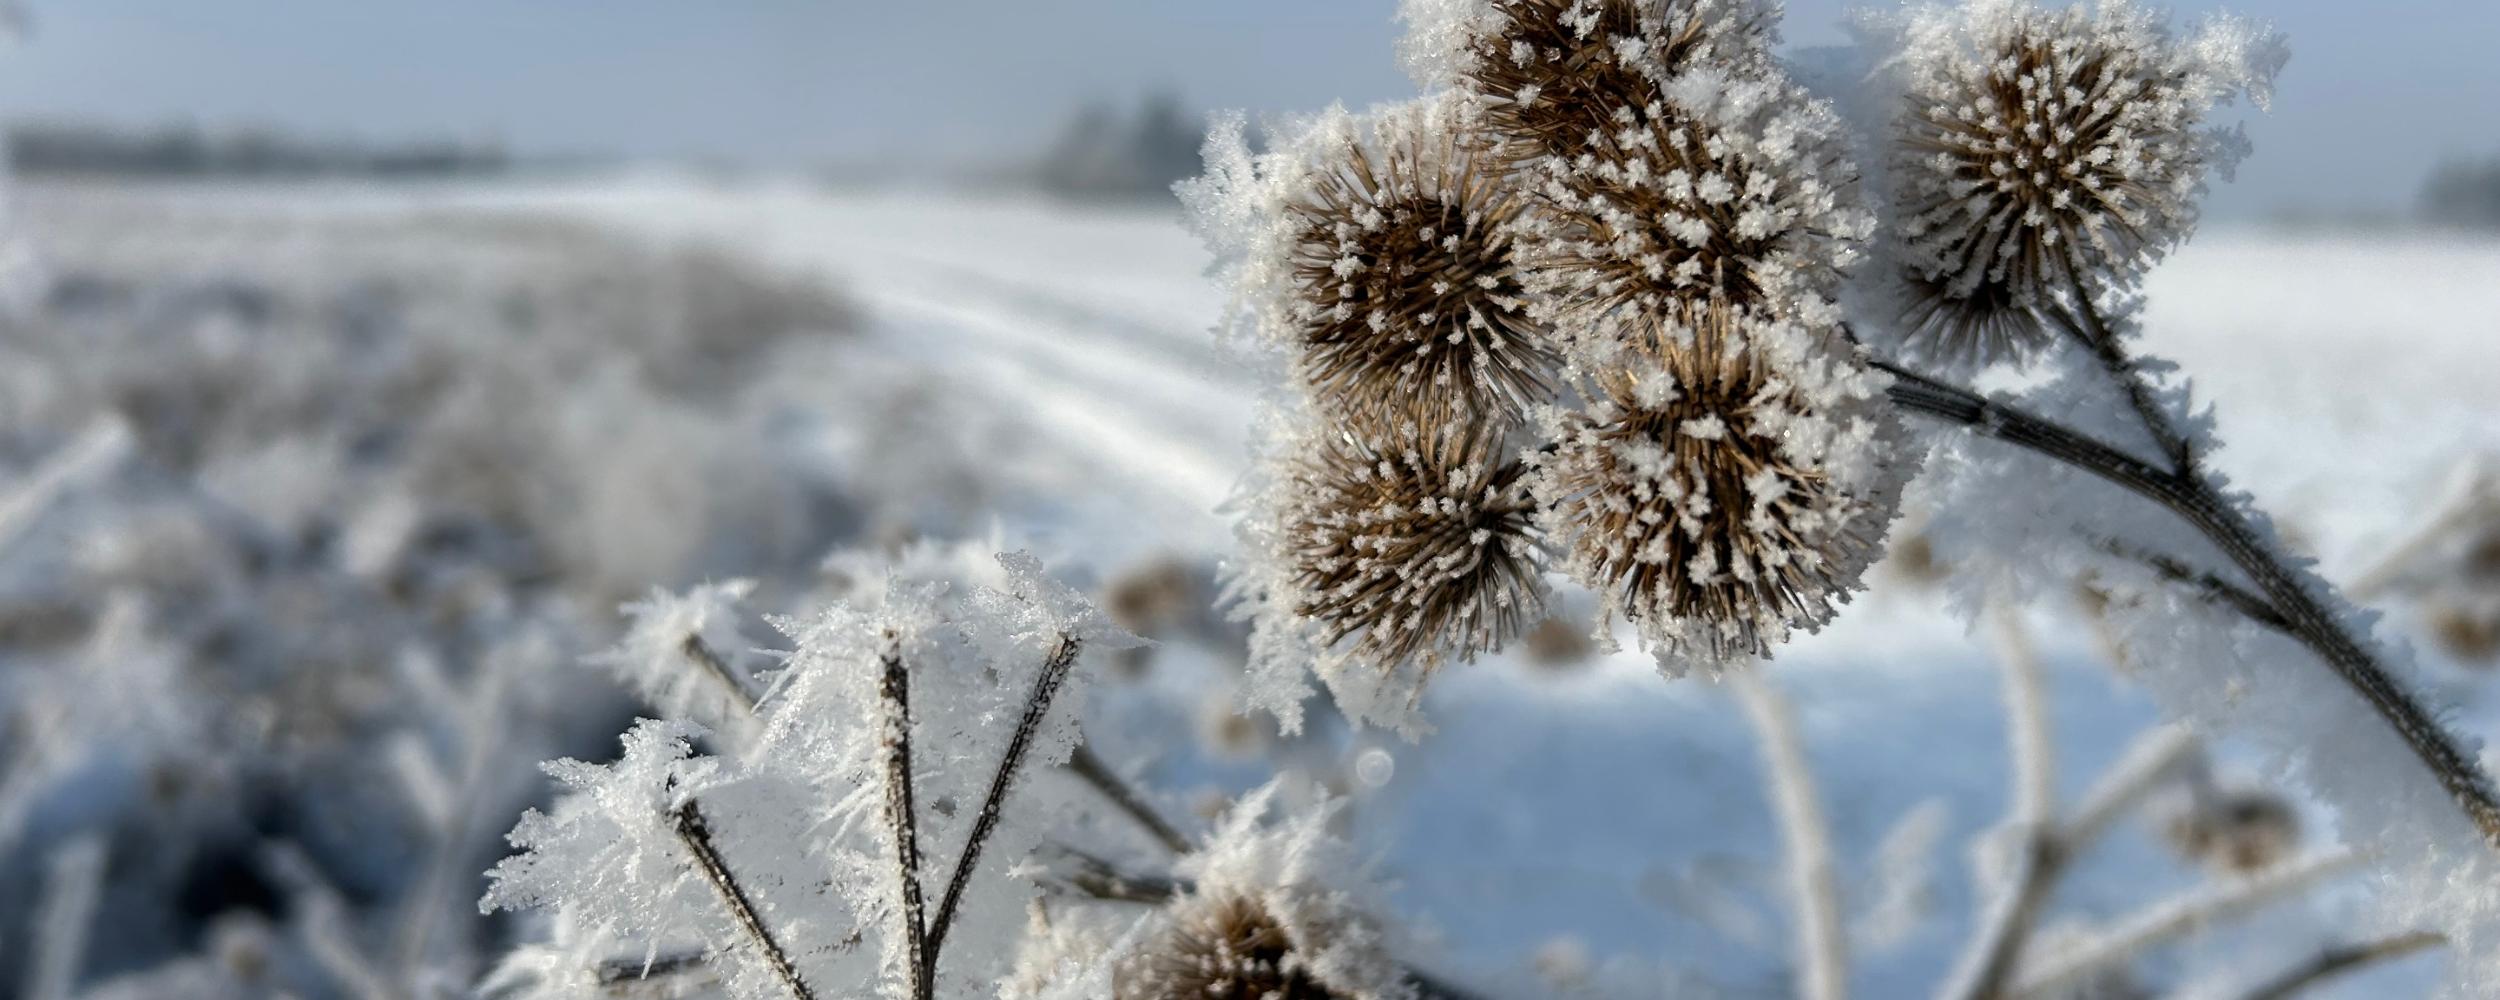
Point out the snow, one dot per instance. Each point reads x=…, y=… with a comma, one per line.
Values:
x=1601, y=805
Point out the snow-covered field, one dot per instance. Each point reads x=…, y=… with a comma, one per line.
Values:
x=1048, y=369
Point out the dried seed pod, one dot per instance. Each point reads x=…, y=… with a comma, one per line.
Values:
x=2043, y=151
x=2242, y=830
x=1412, y=543
x=1410, y=293
x=1223, y=947
x=1277, y=912
x=1562, y=78
x=1725, y=485
x=1743, y=193
x=1376, y=553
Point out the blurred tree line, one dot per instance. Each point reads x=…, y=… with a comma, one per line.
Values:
x=1105, y=154
x=2464, y=194
x=184, y=150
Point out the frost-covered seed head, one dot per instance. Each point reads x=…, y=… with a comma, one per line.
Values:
x=2240, y=831
x=1408, y=291
x=1743, y=191
x=1374, y=252
x=1561, y=78
x=2038, y=151
x=1410, y=543
x=1725, y=485
x=1219, y=947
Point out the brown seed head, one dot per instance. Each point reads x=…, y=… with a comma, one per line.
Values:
x=2241, y=831
x=1745, y=193
x=1409, y=293
x=1561, y=78
x=1410, y=543
x=2043, y=151
x=1220, y=947
x=1689, y=496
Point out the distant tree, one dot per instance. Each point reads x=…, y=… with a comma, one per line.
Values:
x=2464, y=193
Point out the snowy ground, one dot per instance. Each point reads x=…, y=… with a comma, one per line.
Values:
x=1597, y=807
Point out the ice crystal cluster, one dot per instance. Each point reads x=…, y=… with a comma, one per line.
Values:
x=1270, y=908
x=2043, y=154
x=1676, y=218
x=877, y=791
x=1274, y=912
x=1723, y=485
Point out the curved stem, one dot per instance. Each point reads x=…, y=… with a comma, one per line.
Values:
x=2292, y=593
x=696, y=835
x=2341, y=959
x=993, y=805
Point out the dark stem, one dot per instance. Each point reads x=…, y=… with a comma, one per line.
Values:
x=703, y=656
x=993, y=805
x=697, y=836
x=2045, y=854
x=1108, y=784
x=2086, y=324
x=2294, y=594
x=2340, y=959
x=2211, y=588
x=902, y=821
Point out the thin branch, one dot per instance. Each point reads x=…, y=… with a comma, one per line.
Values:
x=616, y=971
x=993, y=805
x=1822, y=945
x=718, y=668
x=2085, y=322
x=2153, y=755
x=2166, y=921
x=1989, y=962
x=1107, y=783
x=697, y=836
x=2340, y=959
x=2207, y=586
x=902, y=819
x=2293, y=593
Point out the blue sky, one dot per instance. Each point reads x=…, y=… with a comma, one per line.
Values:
x=2376, y=93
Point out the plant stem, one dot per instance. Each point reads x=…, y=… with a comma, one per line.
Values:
x=697, y=837
x=902, y=821
x=2293, y=594
x=1036, y=708
x=1107, y=783
x=2340, y=959
x=1822, y=943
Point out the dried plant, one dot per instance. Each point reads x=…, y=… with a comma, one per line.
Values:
x=1706, y=491
x=1397, y=546
x=1560, y=79
x=2044, y=152
x=1740, y=190
x=1407, y=294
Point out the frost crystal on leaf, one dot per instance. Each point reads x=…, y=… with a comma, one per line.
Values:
x=2039, y=152
x=1725, y=485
